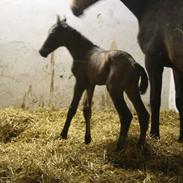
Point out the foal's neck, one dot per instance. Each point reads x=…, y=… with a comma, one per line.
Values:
x=78, y=46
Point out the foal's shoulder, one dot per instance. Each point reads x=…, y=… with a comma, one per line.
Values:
x=95, y=50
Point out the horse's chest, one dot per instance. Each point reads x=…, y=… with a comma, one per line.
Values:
x=149, y=38
x=158, y=34
x=79, y=70
x=162, y=43
x=151, y=27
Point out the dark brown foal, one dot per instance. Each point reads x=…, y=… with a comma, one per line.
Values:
x=94, y=66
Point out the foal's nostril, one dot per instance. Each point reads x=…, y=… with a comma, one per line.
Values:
x=76, y=11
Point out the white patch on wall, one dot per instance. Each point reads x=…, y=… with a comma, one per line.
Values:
x=26, y=77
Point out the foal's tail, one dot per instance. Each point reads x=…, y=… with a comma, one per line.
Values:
x=144, y=79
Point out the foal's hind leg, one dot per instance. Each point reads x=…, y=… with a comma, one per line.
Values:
x=78, y=91
x=178, y=77
x=142, y=113
x=124, y=115
x=87, y=112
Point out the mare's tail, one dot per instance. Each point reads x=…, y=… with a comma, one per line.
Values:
x=144, y=79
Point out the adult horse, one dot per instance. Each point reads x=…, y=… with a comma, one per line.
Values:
x=161, y=40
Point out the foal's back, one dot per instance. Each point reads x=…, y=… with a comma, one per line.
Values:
x=102, y=65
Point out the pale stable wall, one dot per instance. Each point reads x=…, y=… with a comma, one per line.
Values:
x=28, y=80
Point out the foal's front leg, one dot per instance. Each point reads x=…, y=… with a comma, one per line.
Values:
x=87, y=112
x=78, y=91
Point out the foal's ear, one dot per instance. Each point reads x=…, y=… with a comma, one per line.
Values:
x=58, y=19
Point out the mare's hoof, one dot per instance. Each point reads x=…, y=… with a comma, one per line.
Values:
x=87, y=139
x=119, y=147
x=140, y=146
x=181, y=139
x=143, y=149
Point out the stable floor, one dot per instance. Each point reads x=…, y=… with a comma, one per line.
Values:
x=31, y=151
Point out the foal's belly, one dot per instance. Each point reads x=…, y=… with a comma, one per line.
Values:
x=98, y=78
x=94, y=75
x=98, y=67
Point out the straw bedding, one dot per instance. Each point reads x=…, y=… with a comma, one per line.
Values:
x=31, y=151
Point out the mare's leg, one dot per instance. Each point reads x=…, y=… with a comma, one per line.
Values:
x=142, y=113
x=78, y=91
x=87, y=112
x=124, y=115
x=155, y=76
x=178, y=77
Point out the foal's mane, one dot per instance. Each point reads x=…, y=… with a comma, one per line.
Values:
x=80, y=35
x=76, y=34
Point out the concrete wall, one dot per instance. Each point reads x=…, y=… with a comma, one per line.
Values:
x=28, y=80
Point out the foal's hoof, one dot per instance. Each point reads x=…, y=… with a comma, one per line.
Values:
x=87, y=139
x=155, y=136
x=63, y=136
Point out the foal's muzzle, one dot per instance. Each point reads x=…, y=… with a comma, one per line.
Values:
x=43, y=53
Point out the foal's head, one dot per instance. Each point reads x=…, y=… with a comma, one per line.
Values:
x=78, y=6
x=57, y=36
